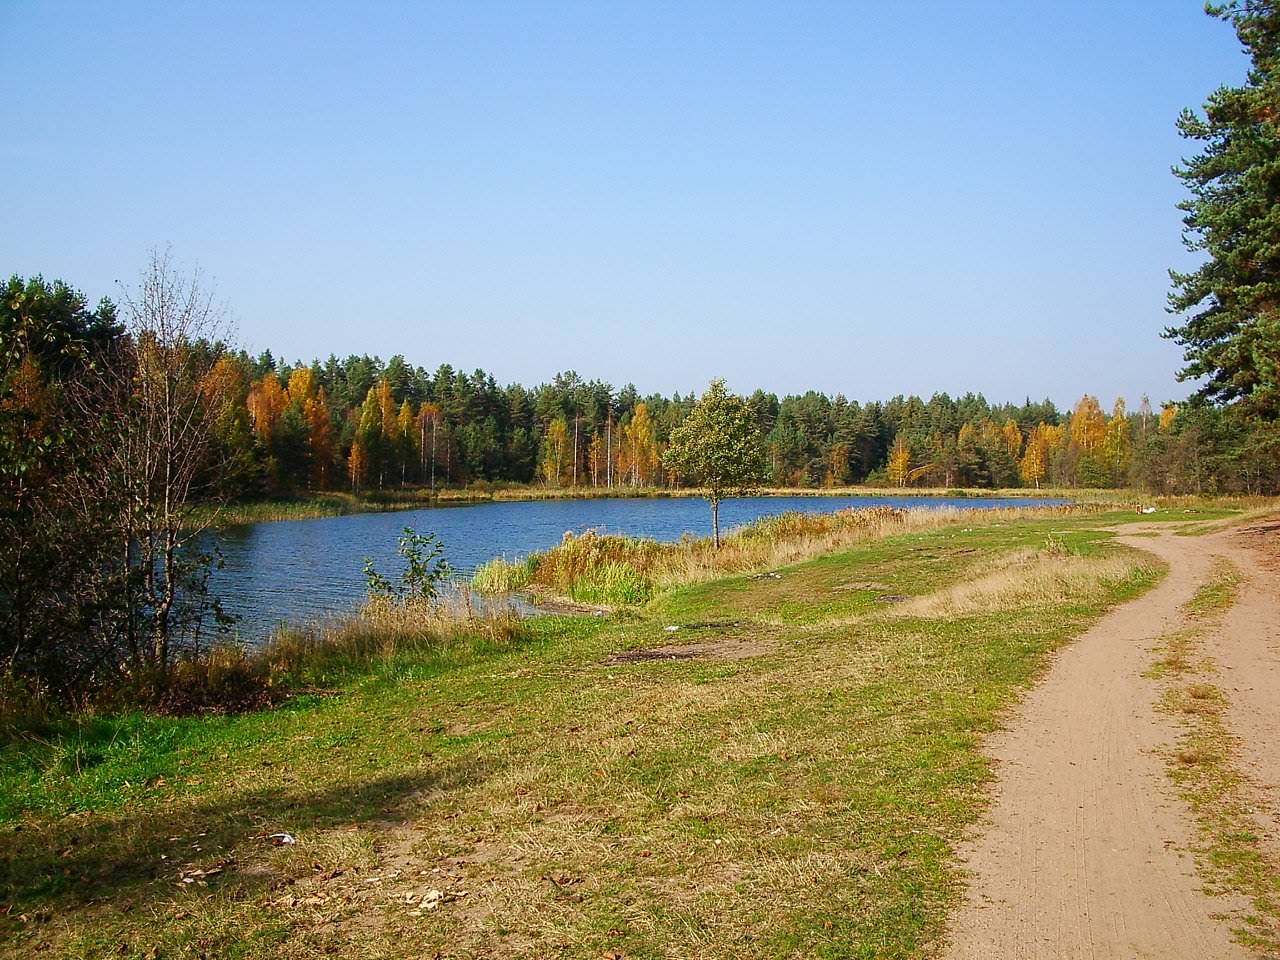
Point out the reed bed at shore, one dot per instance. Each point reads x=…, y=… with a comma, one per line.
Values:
x=332, y=504
x=295, y=508
x=234, y=678
x=379, y=632
x=620, y=570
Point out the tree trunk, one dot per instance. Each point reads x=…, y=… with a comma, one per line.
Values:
x=715, y=523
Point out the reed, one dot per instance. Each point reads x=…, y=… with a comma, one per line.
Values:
x=501, y=575
x=235, y=678
x=626, y=571
x=378, y=632
x=298, y=508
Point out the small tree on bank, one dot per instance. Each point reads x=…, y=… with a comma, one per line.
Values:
x=160, y=461
x=718, y=447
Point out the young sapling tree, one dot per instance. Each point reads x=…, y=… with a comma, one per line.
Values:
x=718, y=447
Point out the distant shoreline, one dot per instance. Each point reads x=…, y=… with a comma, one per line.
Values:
x=339, y=504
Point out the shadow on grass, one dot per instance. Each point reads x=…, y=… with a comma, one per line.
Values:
x=134, y=859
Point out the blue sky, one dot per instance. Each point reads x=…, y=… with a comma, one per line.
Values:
x=870, y=198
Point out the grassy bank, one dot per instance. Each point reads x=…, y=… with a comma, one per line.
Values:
x=619, y=570
x=741, y=768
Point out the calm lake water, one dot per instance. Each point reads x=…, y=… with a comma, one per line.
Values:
x=302, y=570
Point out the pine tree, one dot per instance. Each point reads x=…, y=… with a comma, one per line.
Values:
x=1233, y=216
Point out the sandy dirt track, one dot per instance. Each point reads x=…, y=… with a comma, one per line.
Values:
x=1081, y=854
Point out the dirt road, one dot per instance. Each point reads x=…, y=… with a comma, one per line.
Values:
x=1082, y=853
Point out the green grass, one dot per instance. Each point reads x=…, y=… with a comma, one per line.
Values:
x=804, y=800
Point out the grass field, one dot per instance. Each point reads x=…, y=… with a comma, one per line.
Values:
x=742, y=767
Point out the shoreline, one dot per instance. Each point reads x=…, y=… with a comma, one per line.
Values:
x=311, y=506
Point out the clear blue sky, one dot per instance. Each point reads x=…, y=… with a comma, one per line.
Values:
x=863, y=197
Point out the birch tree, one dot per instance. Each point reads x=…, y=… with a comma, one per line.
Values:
x=158, y=456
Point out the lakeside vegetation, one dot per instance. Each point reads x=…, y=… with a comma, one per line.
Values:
x=616, y=570
x=621, y=570
x=334, y=504
x=755, y=766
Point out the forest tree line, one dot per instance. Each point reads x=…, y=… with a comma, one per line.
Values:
x=361, y=424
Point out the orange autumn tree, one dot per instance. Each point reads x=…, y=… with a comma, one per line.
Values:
x=406, y=440
x=266, y=402
x=638, y=456
x=596, y=455
x=1088, y=434
x=555, y=444
x=301, y=386
x=1088, y=424
x=227, y=386
x=1116, y=444
x=319, y=438
x=1012, y=439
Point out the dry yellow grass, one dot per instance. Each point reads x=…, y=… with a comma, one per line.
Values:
x=616, y=569
x=1026, y=578
x=379, y=631
x=792, y=537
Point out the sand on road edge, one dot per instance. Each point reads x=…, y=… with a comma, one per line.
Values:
x=1082, y=853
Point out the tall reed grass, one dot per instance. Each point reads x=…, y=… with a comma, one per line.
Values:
x=231, y=678
x=619, y=570
x=379, y=632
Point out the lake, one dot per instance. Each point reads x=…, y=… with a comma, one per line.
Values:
x=303, y=570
